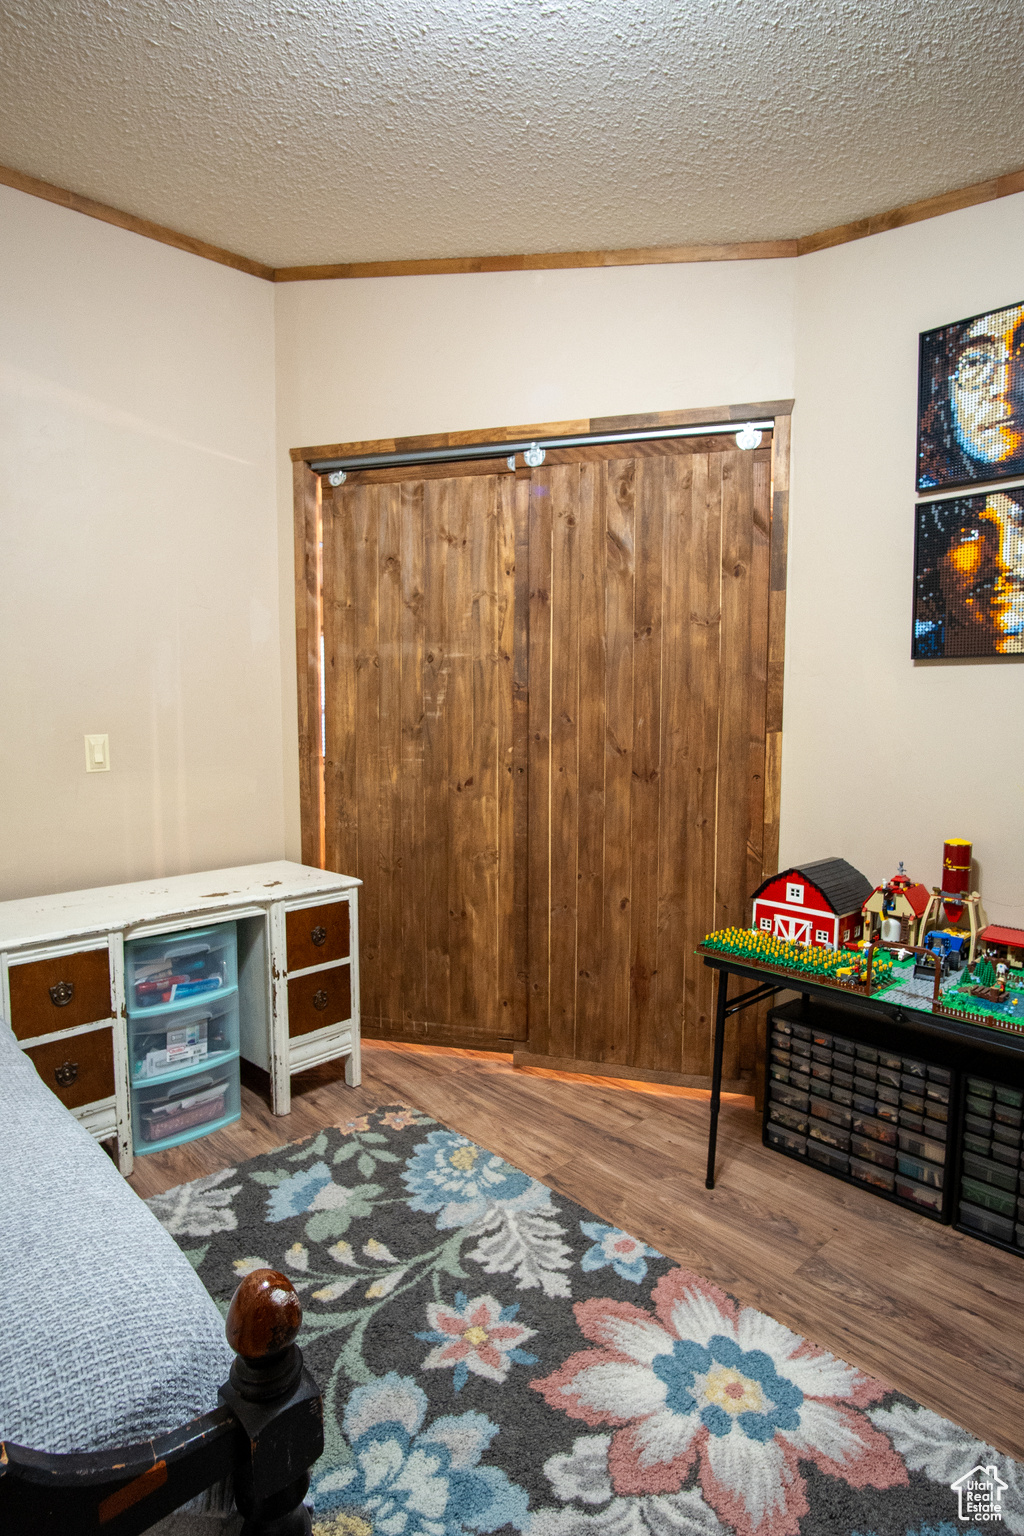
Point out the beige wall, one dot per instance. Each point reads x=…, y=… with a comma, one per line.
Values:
x=871, y=769
x=138, y=557
x=883, y=758
x=144, y=562
x=394, y=356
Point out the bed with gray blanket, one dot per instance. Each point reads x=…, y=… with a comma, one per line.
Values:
x=109, y=1338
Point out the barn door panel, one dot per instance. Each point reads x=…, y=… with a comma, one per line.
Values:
x=418, y=614
x=647, y=698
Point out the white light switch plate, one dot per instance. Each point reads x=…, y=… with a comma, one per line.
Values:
x=97, y=754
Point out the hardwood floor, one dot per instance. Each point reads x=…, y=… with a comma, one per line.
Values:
x=933, y=1312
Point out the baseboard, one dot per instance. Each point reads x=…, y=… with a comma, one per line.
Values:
x=434, y=1034
x=478, y=1040
x=524, y=1058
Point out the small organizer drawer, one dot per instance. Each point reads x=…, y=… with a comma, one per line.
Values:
x=991, y=1175
x=167, y=1114
x=169, y=1043
x=322, y=998
x=180, y=970
x=871, y=1114
x=80, y=1070
x=316, y=935
x=62, y=993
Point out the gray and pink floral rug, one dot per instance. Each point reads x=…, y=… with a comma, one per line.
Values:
x=494, y=1358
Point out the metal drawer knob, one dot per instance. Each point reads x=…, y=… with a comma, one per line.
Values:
x=319, y=935
x=62, y=993
x=320, y=1000
x=66, y=1073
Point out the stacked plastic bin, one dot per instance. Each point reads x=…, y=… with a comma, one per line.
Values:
x=863, y=1113
x=991, y=1192
x=182, y=993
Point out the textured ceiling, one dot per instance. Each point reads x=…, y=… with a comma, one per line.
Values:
x=344, y=130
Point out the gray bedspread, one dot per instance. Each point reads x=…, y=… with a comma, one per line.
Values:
x=107, y=1335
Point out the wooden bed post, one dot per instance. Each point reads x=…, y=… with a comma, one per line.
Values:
x=265, y=1436
x=277, y=1403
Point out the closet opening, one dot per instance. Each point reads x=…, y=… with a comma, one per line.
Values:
x=540, y=706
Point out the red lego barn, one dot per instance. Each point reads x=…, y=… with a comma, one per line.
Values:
x=817, y=903
x=1006, y=943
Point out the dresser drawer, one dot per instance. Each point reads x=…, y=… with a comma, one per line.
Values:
x=315, y=935
x=79, y=1070
x=47, y=995
x=318, y=1000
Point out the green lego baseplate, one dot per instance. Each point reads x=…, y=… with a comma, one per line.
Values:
x=891, y=978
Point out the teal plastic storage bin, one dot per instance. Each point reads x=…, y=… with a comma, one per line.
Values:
x=182, y=994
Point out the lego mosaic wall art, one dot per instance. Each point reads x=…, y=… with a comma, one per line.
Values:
x=971, y=400
x=969, y=576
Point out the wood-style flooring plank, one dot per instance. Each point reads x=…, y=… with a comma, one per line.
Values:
x=927, y=1309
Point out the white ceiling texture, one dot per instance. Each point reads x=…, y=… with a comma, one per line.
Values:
x=303, y=131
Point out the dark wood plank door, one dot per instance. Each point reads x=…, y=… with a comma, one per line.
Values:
x=418, y=579
x=648, y=652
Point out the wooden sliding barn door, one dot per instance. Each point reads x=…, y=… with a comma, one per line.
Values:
x=648, y=626
x=418, y=578
x=552, y=703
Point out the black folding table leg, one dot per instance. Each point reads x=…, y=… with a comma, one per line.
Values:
x=716, y=1076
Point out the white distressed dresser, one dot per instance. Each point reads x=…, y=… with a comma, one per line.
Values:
x=62, y=978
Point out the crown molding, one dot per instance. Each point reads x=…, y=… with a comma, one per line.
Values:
x=544, y=261
x=912, y=213
x=130, y=221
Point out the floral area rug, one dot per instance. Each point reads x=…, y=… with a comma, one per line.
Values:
x=494, y=1358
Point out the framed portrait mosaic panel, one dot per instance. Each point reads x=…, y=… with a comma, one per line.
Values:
x=969, y=576
x=970, y=424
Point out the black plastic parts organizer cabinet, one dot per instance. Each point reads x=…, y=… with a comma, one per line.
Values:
x=936, y=1126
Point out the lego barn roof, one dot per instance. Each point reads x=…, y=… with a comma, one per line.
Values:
x=993, y=934
x=843, y=887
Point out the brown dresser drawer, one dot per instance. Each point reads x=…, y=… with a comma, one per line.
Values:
x=47, y=995
x=317, y=1000
x=315, y=935
x=79, y=1070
